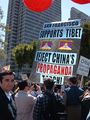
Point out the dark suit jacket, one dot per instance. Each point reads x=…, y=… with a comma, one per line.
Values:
x=5, y=113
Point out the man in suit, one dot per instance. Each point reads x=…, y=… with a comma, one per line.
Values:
x=7, y=106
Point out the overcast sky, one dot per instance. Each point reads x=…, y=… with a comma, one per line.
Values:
x=65, y=4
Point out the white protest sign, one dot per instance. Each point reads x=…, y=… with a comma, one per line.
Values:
x=83, y=67
x=67, y=32
x=56, y=57
x=52, y=69
x=56, y=78
x=59, y=24
x=58, y=50
x=58, y=30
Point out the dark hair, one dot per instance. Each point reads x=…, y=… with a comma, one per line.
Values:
x=73, y=80
x=49, y=83
x=22, y=85
x=57, y=87
x=2, y=74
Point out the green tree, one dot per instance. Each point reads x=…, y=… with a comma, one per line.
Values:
x=2, y=43
x=2, y=54
x=85, y=41
x=30, y=53
x=17, y=53
x=2, y=26
x=24, y=54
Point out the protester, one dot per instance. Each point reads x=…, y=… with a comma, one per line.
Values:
x=72, y=100
x=7, y=105
x=45, y=107
x=58, y=90
x=24, y=102
x=86, y=102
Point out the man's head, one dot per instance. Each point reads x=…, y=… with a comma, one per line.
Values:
x=49, y=83
x=23, y=85
x=73, y=80
x=7, y=81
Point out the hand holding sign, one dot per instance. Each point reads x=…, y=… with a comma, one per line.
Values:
x=38, y=5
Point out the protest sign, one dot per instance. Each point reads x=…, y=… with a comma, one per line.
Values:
x=58, y=53
x=56, y=78
x=83, y=66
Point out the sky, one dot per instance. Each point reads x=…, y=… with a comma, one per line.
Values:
x=65, y=6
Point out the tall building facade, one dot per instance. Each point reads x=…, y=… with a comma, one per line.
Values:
x=76, y=14
x=24, y=25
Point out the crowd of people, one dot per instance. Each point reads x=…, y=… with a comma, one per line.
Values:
x=32, y=101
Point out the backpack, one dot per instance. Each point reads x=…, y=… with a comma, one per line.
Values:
x=54, y=107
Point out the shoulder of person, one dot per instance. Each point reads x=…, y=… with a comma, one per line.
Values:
x=67, y=89
x=81, y=89
x=40, y=96
x=31, y=96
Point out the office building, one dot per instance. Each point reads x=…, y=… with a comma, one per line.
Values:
x=24, y=25
x=76, y=14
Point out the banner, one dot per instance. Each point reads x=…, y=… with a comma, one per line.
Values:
x=58, y=53
x=56, y=78
x=56, y=57
x=83, y=66
x=65, y=33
